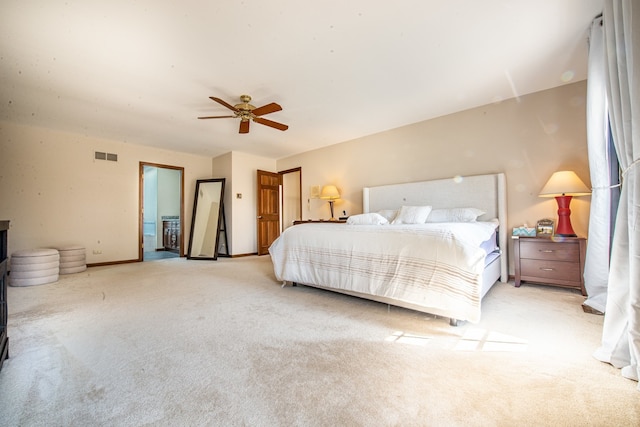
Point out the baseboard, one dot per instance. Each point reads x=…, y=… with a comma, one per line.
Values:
x=129, y=261
x=238, y=255
x=101, y=264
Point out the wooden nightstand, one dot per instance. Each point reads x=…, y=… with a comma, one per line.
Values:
x=557, y=261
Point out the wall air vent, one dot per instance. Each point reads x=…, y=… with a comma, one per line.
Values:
x=106, y=156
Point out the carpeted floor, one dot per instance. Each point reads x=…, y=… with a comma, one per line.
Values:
x=178, y=342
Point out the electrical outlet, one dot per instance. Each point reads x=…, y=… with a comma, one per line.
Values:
x=97, y=252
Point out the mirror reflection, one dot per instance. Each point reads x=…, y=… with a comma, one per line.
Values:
x=206, y=220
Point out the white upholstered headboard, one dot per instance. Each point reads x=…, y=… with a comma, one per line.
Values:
x=486, y=192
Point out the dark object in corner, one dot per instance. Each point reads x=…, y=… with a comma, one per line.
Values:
x=4, y=312
x=591, y=310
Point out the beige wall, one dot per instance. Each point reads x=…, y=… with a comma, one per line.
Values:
x=240, y=170
x=245, y=182
x=222, y=168
x=527, y=138
x=55, y=193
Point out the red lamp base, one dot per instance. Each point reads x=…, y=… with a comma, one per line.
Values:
x=564, y=228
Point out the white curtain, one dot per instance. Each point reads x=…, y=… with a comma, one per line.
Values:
x=621, y=331
x=603, y=165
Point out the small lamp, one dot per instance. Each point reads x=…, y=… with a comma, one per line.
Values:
x=564, y=185
x=330, y=193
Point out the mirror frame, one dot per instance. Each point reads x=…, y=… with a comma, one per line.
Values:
x=202, y=184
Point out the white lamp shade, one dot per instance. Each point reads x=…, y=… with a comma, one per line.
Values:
x=329, y=192
x=564, y=183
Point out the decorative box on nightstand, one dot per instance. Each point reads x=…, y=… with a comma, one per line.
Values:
x=557, y=261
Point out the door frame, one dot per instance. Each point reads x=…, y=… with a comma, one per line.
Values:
x=141, y=205
x=282, y=173
x=280, y=201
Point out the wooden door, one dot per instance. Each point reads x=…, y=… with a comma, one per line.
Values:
x=268, y=216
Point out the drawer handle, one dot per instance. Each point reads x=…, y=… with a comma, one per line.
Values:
x=546, y=269
x=548, y=251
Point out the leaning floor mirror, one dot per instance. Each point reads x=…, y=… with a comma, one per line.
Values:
x=207, y=222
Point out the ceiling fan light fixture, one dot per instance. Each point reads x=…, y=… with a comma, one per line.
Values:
x=246, y=112
x=245, y=106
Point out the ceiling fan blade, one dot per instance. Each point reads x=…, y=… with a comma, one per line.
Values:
x=244, y=126
x=266, y=109
x=217, y=117
x=270, y=123
x=220, y=101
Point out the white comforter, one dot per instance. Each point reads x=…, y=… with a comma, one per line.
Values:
x=435, y=266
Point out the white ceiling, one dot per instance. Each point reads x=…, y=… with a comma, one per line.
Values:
x=142, y=71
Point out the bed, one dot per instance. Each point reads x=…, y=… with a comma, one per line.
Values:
x=442, y=262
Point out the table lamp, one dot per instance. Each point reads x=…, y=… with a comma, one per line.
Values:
x=330, y=193
x=564, y=185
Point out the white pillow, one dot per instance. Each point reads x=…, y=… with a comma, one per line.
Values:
x=412, y=215
x=454, y=215
x=367, y=219
x=389, y=214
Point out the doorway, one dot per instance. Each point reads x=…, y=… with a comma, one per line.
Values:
x=291, y=197
x=161, y=227
x=279, y=204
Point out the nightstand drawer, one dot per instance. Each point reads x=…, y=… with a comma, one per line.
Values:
x=558, y=261
x=549, y=251
x=551, y=270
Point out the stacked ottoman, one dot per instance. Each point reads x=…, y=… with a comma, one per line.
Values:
x=34, y=267
x=73, y=259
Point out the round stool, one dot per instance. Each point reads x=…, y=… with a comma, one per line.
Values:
x=34, y=267
x=73, y=259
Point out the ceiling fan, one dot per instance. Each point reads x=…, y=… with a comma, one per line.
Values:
x=247, y=112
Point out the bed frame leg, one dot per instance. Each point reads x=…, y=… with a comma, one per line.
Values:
x=285, y=283
x=454, y=322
